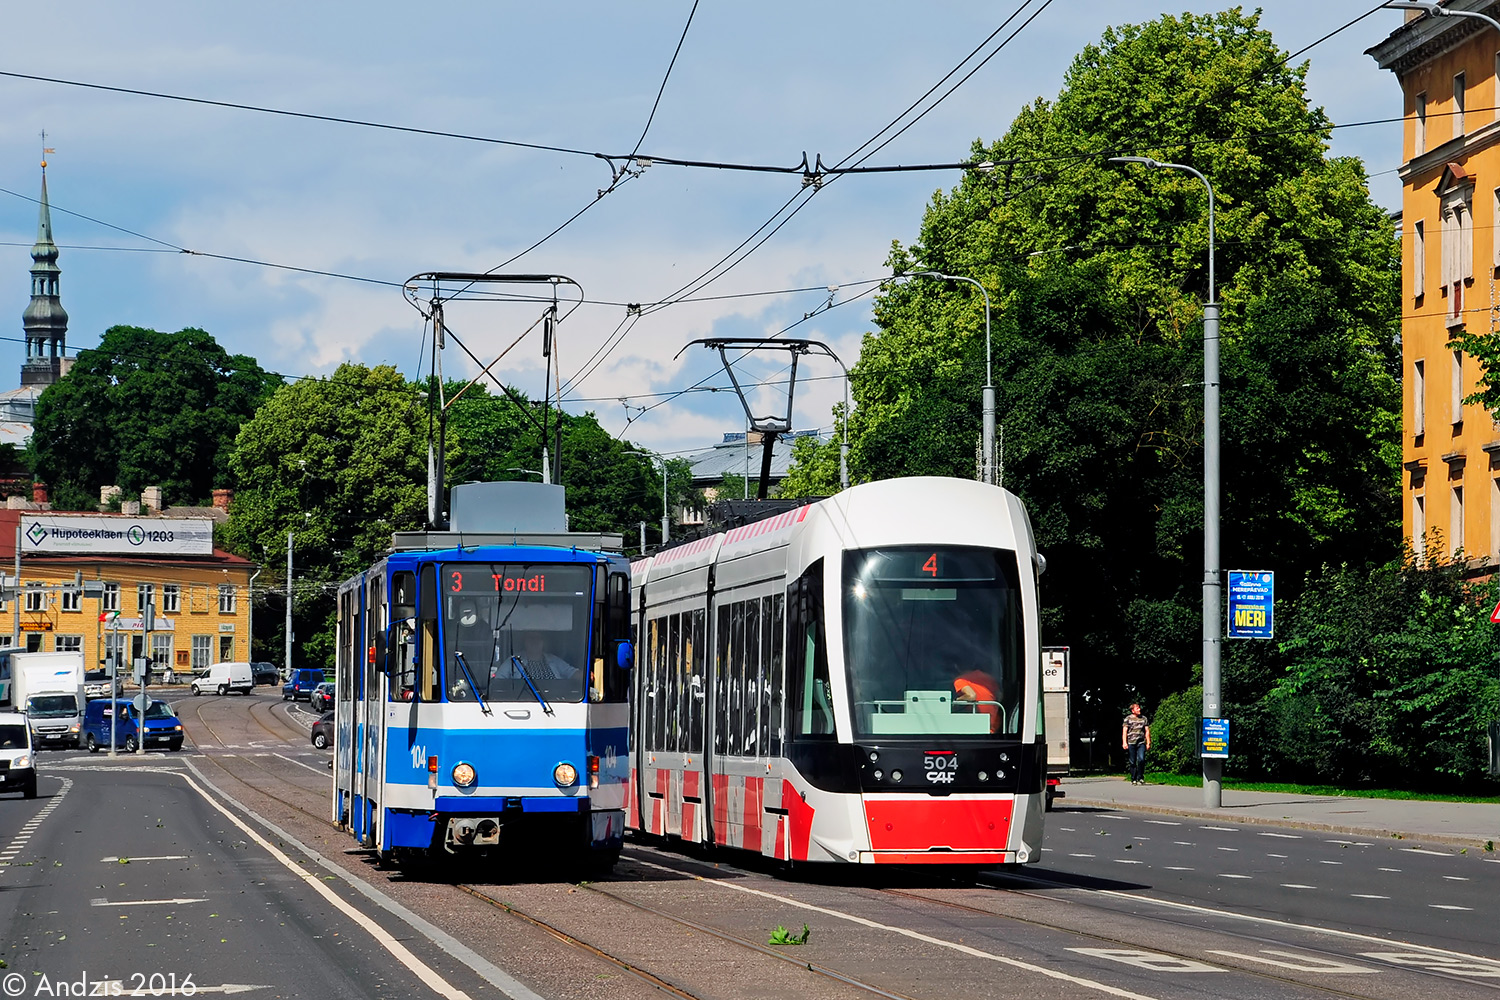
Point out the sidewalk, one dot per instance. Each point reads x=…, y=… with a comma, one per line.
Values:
x=1466, y=824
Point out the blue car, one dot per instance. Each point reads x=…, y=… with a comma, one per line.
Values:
x=302, y=684
x=163, y=728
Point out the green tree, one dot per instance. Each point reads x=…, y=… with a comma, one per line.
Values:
x=1097, y=275
x=145, y=409
x=341, y=464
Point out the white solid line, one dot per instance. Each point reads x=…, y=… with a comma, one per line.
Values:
x=481, y=966
x=1443, y=906
x=399, y=951
x=904, y=932
x=1418, y=850
x=1296, y=885
x=145, y=902
x=1283, y=836
x=314, y=770
x=1367, y=895
x=1223, y=875
x=1221, y=829
x=160, y=857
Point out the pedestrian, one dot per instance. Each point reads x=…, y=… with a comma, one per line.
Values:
x=1135, y=738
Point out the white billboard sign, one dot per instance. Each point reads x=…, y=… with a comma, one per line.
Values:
x=155, y=536
x=1054, y=668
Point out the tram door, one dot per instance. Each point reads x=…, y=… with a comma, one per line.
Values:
x=346, y=664
x=372, y=699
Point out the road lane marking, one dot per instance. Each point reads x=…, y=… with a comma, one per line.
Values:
x=1236, y=849
x=1295, y=885
x=116, y=988
x=145, y=902
x=1445, y=906
x=160, y=857
x=1162, y=822
x=1388, y=869
x=1455, y=878
x=1299, y=963
x=1419, y=850
x=1483, y=968
x=1226, y=875
x=315, y=770
x=1184, y=843
x=1154, y=961
x=18, y=842
x=964, y=949
x=1330, y=862
x=1221, y=829
x=1177, y=868
x=1367, y=895
x=1080, y=855
x=1127, y=861
x=1283, y=836
x=1281, y=856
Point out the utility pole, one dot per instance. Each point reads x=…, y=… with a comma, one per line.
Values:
x=288, y=667
x=148, y=621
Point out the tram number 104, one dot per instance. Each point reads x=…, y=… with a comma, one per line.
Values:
x=941, y=766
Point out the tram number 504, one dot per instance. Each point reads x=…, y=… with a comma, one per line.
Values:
x=941, y=766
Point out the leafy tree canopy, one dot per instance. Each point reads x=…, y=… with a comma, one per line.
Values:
x=1096, y=275
x=145, y=409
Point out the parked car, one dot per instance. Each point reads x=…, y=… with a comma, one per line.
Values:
x=163, y=728
x=17, y=757
x=96, y=684
x=322, y=731
x=322, y=697
x=265, y=673
x=301, y=684
x=222, y=678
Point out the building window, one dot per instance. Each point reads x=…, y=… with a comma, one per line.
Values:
x=1419, y=398
x=1458, y=105
x=145, y=593
x=226, y=648
x=203, y=651
x=1419, y=135
x=70, y=644
x=111, y=601
x=33, y=642
x=1419, y=253
x=171, y=598
x=72, y=599
x=36, y=599
x=1495, y=518
x=1458, y=249
x=1456, y=388
x=114, y=648
x=1419, y=527
x=1456, y=522
x=161, y=650
x=226, y=599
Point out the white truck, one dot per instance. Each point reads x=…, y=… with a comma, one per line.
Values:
x=48, y=687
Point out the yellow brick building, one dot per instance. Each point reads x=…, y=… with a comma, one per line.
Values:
x=1450, y=216
x=201, y=597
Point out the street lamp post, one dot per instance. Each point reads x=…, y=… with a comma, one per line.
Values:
x=988, y=440
x=666, y=517
x=1436, y=10
x=1213, y=767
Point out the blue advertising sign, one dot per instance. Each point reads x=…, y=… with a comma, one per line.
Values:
x=1252, y=594
x=1216, y=737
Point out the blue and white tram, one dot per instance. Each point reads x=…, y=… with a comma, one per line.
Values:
x=855, y=680
x=482, y=701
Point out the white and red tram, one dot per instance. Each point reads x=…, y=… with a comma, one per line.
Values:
x=853, y=680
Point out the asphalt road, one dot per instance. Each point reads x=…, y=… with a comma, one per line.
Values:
x=233, y=876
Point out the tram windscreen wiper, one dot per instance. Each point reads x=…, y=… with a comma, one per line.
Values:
x=463, y=663
x=520, y=669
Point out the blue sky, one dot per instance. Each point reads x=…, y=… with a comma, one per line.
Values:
x=759, y=83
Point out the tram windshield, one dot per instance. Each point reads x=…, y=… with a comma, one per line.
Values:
x=933, y=641
x=516, y=632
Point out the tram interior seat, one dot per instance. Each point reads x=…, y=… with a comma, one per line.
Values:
x=926, y=713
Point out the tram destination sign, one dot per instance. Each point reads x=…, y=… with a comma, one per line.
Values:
x=180, y=536
x=1252, y=604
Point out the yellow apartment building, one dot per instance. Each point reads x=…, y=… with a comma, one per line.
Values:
x=1450, y=216
x=85, y=580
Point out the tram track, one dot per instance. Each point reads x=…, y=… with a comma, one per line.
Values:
x=287, y=793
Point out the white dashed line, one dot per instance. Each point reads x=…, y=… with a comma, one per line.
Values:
x=1184, y=843
x=1367, y=895
x=1418, y=850
x=1080, y=855
x=1388, y=869
x=1296, y=885
x=1235, y=849
x=1177, y=868
x=1445, y=906
x=1455, y=878
x=1224, y=875
x=1127, y=861
x=1330, y=862
x=1283, y=836
x=1282, y=856
x=1221, y=829
x=1162, y=822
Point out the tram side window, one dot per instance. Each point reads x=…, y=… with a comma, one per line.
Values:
x=428, y=604
x=674, y=681
x=650, y=687
x=753, y=745
x=777, y=637
x=375, y=623
x=348, y=662
x=809, y=692
x=617, y=630
x=766, y=668
x=403, y=637
x=695, y=685
x=737, y=740
x=721, y=681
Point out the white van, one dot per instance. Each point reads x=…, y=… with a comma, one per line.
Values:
x=223, y=678
x=19, y=772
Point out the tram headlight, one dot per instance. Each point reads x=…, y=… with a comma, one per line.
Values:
x=984, y=776
x=464, y=775
x=896, y=775
x=874, y=756
x=565, y=774
x=878, y=774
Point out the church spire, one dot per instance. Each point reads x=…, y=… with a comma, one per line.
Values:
x=45, y=320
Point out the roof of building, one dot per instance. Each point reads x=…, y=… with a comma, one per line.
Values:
x=729, y=456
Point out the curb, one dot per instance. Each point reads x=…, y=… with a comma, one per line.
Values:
x=1474, y=841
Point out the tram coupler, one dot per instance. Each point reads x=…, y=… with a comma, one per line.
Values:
x=471, y=831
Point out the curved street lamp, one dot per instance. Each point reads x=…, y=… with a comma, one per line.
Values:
x=988, y=442
x=1213, y=767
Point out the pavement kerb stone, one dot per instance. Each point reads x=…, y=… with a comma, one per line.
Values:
x=1230, y=816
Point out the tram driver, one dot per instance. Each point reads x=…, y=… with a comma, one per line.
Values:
x=981, y=689
x=541, y=663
